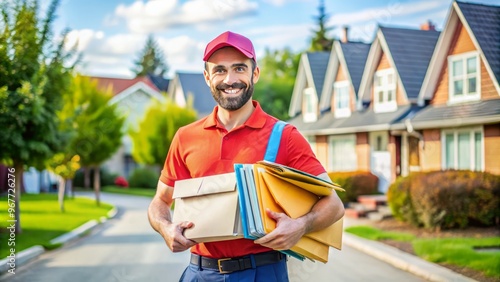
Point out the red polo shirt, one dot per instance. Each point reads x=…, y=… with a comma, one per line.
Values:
x=206, y=148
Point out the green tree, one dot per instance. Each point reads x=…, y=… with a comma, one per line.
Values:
x=33, y=76
x=277, y=78
x=98, y=125
x=320, y=40
x=151, y=60
x=155, y=132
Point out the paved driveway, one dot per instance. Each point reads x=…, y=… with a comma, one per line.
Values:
x=127, y=249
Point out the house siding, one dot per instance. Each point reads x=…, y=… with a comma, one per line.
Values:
x=491, y=148
x=383, y=63
x=488, y=90
x=322, y=150
x=431, y=154
x=363, y=151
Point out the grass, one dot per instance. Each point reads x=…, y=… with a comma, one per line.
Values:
x=42, y=221
x=377, y=234
x=454, y=251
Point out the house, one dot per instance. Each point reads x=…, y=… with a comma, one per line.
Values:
x=337, y=100
x=384, y=91
x=186, y=87
x=460, y=126
x=426, y=100
x=133, y=97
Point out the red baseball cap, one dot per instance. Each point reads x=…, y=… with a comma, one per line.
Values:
x=228, y=38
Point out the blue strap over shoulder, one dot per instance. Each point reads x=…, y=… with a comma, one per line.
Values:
x=274, y=141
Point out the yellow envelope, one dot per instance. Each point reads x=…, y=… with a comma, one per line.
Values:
x=282, y=196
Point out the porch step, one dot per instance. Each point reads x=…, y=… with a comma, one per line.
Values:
x=373, y=201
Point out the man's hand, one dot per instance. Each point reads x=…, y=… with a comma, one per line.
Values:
x=173, y=234
x=287, y=233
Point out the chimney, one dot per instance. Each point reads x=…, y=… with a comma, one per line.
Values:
x=345, y=33
x=428, y=26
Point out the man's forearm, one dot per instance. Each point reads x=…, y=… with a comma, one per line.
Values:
x=325, y=212
x=158, y=213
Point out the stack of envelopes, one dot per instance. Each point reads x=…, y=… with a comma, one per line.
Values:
x=267, y=185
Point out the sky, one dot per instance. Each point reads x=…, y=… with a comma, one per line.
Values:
x=112, y=33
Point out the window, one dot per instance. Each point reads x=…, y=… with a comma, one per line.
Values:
x=310, y=105
x=463, y=149
x=342, y=153
x=341, y=99
x=464, y=77
x=384, y=87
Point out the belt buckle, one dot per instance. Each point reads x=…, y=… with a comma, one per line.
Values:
x=220, y=266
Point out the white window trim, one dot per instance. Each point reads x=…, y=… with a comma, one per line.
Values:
x=386, y=106
x=341, y=112
x=465, y=97
x=310, y=94
x=351, y=137
x=472, y=150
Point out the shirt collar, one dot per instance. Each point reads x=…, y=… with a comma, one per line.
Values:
x=256, y=120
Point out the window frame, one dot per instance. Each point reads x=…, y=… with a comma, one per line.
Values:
x=472, y=132
x=331, y=158
x=310, y=100
x=386, y=105
x=464, y=97
x=346, y=111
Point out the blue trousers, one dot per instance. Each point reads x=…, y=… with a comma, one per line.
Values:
x=276, y=272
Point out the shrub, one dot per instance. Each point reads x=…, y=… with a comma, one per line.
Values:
x=355, y=183
x=447, y=199
x=399, y=200
x=143, y=178
x=121, y=181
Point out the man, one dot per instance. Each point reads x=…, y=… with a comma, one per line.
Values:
x=237, y=131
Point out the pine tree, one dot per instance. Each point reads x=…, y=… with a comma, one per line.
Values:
x=151, y=60
x=320, y=40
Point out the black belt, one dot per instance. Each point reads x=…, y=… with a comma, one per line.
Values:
x=228, y=265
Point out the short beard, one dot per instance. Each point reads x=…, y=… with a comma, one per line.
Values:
x=232, y=103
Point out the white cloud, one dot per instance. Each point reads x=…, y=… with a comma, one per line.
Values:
x=102, y=54
x=156, y=15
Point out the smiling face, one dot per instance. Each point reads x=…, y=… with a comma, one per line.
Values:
x=230, y=76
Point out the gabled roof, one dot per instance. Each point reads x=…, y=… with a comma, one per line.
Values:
x=409, y=52
x=355, y=54
x=159, y=81
x=318, y=62
x=193, y=84
x=482, y=23
x=120, y=84
x=351, y=57
x=123, y=87
x=312, y=71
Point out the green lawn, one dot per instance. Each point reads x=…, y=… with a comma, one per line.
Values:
x=456, y=251
x=42, y=221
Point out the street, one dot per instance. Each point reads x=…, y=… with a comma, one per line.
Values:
x=127, y=249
